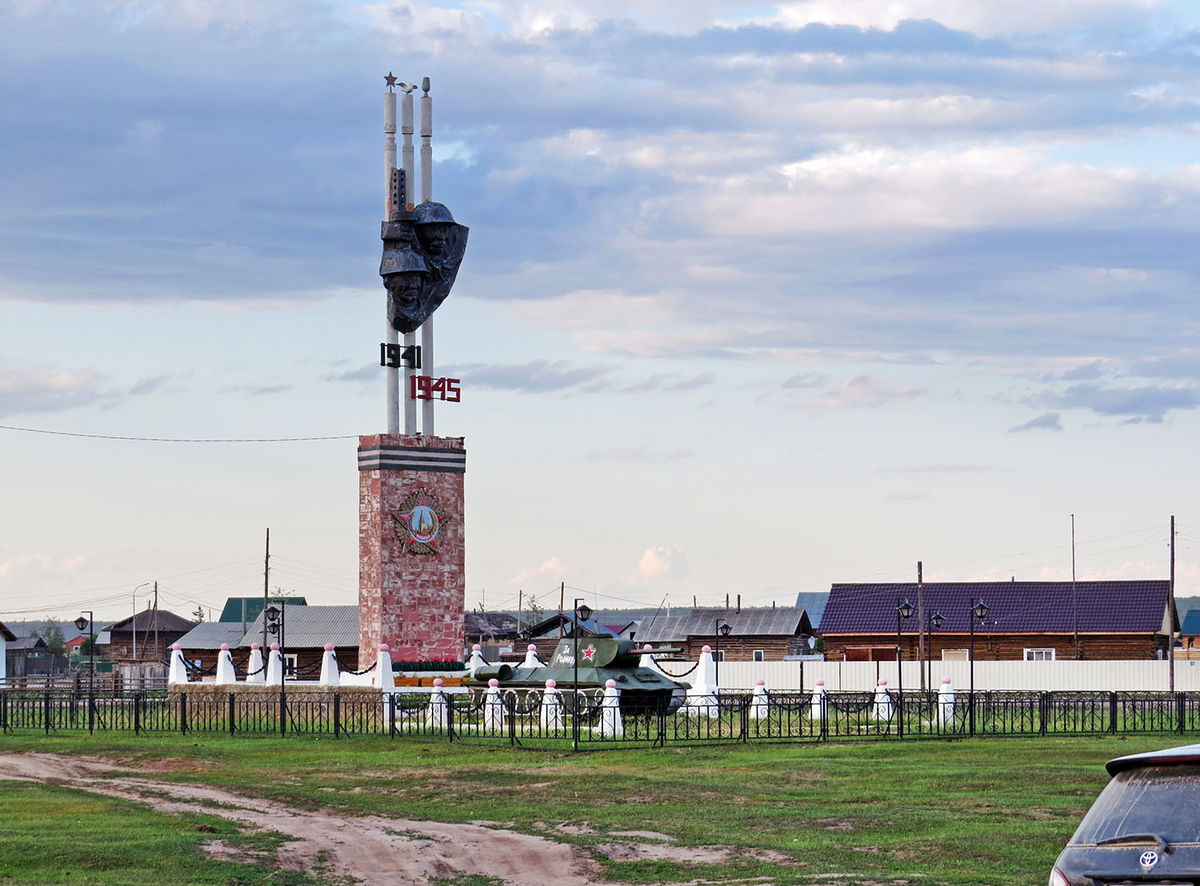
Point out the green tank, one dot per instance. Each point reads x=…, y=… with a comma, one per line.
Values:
x=600, y=659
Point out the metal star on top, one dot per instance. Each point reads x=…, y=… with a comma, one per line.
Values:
x=391, y=81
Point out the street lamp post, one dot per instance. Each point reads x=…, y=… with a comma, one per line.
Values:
x=935, y=624
x=903, y=610
x=582, y=613
x=720, y=629
x=977, y=611
x=82, y=623
x=274, y=621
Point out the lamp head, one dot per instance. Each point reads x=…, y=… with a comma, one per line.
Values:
x=938, y=620
x=906, y=609
x=81, y=623
x=583, y=612
x=980, y=609
x=725, y=628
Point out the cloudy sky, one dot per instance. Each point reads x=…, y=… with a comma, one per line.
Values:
x=759, y=296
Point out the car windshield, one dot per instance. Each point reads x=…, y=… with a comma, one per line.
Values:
x=1152, y=800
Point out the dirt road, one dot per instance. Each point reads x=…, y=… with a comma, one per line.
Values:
x=374, y=850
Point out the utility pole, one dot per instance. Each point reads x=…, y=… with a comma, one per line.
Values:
x=266, y=585
x=156, y=652
x=1074, y=592
x=921, y=626
x=1171, y=616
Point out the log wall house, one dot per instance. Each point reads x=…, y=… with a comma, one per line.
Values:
x=1032, y=621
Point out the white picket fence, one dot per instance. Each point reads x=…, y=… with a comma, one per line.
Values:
x=1112, y=676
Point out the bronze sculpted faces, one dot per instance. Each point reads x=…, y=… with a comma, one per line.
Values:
x=422, y=251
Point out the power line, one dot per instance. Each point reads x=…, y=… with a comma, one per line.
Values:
x=178, y=439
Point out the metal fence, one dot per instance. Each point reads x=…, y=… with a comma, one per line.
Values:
x=585, y=720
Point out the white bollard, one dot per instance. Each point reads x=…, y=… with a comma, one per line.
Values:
x=883, y=702
x=818, y=701
x=255, y=672
x=329, y=668
x=760, y=702
x=647, y=661
x=384, y=677
x=702, y=697
x=476, y=661
x=946, y=703
x=178, y=672
x=610, y=711
x=531, y=657
x=275, y=666
x=493, y=708
x=438, y=712
x=225, y=672
x=552, y=714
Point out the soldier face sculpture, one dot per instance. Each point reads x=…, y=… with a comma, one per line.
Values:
x=422, y=251
x=434, y=238
x=405, y=308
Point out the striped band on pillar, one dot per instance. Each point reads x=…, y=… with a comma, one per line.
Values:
x=411, y=458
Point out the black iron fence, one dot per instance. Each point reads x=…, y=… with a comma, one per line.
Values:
x=535, y=719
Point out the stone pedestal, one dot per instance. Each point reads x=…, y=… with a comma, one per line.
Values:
x=411, y=543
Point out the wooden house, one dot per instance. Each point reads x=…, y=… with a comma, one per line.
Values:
x=1025, y=620
x=760, y=634
x=146, y=636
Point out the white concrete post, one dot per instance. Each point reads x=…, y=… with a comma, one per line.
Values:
x=436, y=716
x=760, y=701
x=531, y=657
x=946, y=703
x=552, y=714
x=476, y=661
x=610, y=711
x=647, y=661
x=254, y=667
x=225, y=672
x=426, y=195
x=702, y=697
x=384, y=677
x=329, y=668
x=275, y=666
x=410, y=338
x=883, y=702
x=178, y=673
x=818, y=701
x=392, y=336
x=493, y=708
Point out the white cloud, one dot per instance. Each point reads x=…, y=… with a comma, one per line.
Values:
x=865, y=391
x=661, y=562
x=552, y=569
x=34, y=389
x=983, y=18
x=34, y=567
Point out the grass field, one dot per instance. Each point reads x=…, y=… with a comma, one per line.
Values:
x=967, y=813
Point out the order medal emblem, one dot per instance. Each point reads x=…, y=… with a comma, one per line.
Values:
x=419, y=523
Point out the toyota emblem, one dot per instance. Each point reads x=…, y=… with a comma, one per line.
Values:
x=1148, y=860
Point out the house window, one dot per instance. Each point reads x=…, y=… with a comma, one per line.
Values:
x=290, y=659
x=759, y=656
x=956, y=655
x=720, y=655
x=1039, y=655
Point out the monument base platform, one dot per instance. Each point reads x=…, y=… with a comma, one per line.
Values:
x=412, y=565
